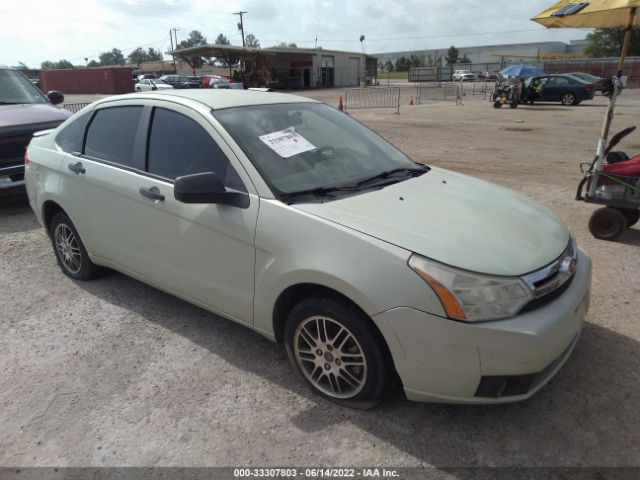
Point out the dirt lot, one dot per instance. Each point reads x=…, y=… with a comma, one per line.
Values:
x=112, y=372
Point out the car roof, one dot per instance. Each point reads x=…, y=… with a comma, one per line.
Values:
x=220, y=99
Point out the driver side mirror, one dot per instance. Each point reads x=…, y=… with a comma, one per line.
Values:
x=207, y=187
x=55, y=97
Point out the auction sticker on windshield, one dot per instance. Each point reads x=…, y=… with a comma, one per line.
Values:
x=287, y=142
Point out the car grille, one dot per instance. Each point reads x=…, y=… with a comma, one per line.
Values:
x=549, y=282
x=12, y=149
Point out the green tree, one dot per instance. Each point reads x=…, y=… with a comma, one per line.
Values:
x=22, y=66
x=416, y=60
x=452, y=55
x=47, y=65
x=138, y=56
x=285, y=45
x=154, y=55
x=402, y=64
x=388, y=66
x=607, y=42
x=222, y=40
x=64, y=64
x=252, y=41
x=93, y=63
x=464, y=59
x=113, y=57
x=195, y=39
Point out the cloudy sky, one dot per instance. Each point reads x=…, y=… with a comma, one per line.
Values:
x=36, y=30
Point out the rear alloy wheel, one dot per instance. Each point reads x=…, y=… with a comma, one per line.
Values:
x=338, y=353
x=568, y=99
x=69, y=249
x=607, y=223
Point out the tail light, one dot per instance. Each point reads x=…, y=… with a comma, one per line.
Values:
x=589, y=88
x=27, y=160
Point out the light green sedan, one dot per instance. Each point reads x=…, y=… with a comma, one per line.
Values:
x=288, y=216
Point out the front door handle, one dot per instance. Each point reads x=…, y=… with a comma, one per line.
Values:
x=76, y=168
x=152, y=193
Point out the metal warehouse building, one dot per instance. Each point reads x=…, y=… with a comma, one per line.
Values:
x=290, y=68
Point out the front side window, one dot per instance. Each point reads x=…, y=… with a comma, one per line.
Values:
x=299, y=147
x=178, y=146
x=112, y=134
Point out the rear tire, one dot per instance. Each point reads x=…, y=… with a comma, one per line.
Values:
x=497, y=104
x=338, y=352
x=70, y=252
x=630, y=215
x=607, y=223
x=568, y=99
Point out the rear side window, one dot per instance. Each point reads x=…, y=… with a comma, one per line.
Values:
x=178, y=146
x=112, y=134
x=70, y=138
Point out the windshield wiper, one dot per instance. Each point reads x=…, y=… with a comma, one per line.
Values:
x=412, y=171
x=319, y=191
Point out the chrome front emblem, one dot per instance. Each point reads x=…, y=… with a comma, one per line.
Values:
x=569, y=265
x=554, y=275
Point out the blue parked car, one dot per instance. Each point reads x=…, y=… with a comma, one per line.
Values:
x=566, y=89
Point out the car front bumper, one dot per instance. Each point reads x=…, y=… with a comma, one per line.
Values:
x=447, y=361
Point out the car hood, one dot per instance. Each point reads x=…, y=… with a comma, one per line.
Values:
x=25, y=114
x=457, y=220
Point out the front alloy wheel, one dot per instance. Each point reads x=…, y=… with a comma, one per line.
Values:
x=339, y=352
x=330, y=357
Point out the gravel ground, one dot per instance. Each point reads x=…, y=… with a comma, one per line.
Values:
x=113, y=372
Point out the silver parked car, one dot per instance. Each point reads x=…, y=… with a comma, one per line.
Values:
x=288, y=216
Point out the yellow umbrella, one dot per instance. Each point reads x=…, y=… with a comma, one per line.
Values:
x=596, y=14
x=593, y=14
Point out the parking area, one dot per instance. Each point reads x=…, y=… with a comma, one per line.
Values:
x=112, y=372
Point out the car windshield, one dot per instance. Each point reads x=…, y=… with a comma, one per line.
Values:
x=158, y=82
x=310, y=149
x=15, y=88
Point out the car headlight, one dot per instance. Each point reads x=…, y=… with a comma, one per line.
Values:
x=473, y=297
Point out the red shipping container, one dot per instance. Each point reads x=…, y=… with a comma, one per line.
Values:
x=88, y=80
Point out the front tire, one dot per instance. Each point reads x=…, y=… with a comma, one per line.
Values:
x=338, y=352
x=70, y=252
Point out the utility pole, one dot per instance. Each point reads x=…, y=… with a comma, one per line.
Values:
x=174, y=46
x=241, y=25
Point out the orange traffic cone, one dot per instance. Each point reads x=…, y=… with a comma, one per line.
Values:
x=340, y=105
x=411, y=101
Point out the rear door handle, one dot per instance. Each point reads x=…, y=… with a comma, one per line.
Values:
x=152, y=193
x=76, y=168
